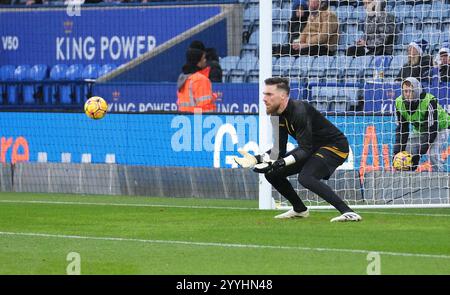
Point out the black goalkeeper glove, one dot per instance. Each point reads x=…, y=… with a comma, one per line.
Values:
x=267, y=167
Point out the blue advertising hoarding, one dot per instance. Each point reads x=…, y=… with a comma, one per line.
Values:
x=169, y=139
x=236, y=98
x=99, y=35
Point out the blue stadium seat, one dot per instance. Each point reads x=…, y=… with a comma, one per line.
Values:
x=344, y=13
x=276, y=4
x=21, y=72
x=57, y=73
x=445, y=13
x=365, y=64
x=285, y=14
x=336, y=98
x=360, y=14
x=378, y=63
x=334, y=69
x=436, y=13
x=396, y=64
x=433, y=38
x=15, y=92
x=253, y=76
x=6, y=74
x=70, y=93
x=251, y=13
x=410, y=33
x=278, y=26
x=352, y=69
x=249, y=49
x=279, y=37
x=276, y=13
x=419, y=13
x=229, y=62
x=303, y=64
x=319, y=99
x=225, y=75
x=247, y=63
x=350, y=36
x=237, y=76
x=283, y=65
x=31, y=92
x=321, y=66
x=347, y=94
x=254, y=38
x=105, y=69
x=90, y=71
x=74, y=72
x=401, y=12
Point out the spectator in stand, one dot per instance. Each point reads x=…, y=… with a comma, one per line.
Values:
x=444, y=64
x=319, y=36
x=419, y=63
x=194, y=89
x=213, y=70
x=298, y=20
x=379, y=31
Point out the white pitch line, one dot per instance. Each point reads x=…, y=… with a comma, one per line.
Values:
x=122, y=204
x=225, y=245
x=194, y=207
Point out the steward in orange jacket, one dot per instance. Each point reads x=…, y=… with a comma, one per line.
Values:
x=194, y=88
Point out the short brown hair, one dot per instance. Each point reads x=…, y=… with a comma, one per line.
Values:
x=281, y=83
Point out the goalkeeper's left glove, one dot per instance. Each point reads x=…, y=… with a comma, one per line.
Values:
x=273, y=166
x=269, y=166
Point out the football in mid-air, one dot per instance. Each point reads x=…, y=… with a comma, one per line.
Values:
x=95, y=107
x=402, y=161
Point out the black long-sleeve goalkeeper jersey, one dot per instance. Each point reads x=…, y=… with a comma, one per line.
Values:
x=310, y=129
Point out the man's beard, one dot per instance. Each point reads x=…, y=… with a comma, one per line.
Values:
x=273, y=112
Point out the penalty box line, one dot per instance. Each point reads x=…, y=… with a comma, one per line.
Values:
x=224, y=245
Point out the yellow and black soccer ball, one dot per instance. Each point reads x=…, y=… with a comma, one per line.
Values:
x=95, y=107
x=402, y=161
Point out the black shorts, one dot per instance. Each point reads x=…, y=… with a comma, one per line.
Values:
x=321, y=164
x=332, y=156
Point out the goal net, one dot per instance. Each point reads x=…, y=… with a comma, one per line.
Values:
x=349, y=60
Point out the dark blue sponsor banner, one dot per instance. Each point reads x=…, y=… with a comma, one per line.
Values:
x=235, y=98
x=99, y=35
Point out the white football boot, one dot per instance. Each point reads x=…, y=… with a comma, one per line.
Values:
x=292, y=214
x=349, y=216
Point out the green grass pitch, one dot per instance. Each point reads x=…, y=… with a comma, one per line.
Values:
x=144, y=235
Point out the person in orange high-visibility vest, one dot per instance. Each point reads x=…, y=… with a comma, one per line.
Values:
x=195, y=89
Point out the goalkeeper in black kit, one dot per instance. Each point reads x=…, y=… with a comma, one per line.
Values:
x=322, y=147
